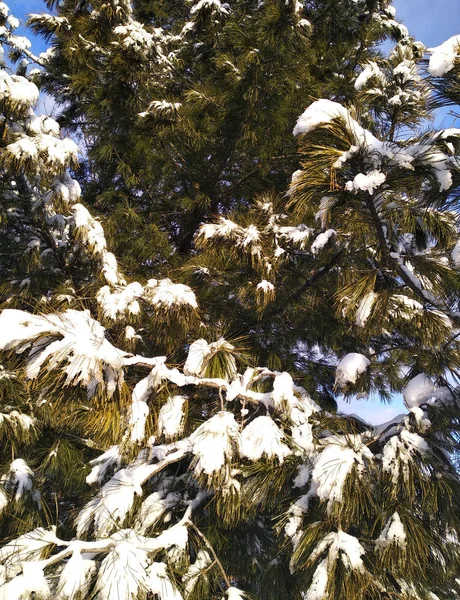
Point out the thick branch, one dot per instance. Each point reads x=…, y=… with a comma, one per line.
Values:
x=307, y=284
x=211, y=549
x=394, y=259
x=310, y=282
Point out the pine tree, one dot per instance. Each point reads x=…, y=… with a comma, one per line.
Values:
x=170, y=366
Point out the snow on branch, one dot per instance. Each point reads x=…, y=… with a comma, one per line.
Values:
x=213, y=6
x=379, y=155
x=444, y=56
x=71, y=341
x=161, y=294
x=350, y=368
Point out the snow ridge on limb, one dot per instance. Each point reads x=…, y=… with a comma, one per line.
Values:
x=378, y=154
x=443, y=57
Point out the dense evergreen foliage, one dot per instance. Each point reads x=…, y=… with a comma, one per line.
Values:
x=240, y=214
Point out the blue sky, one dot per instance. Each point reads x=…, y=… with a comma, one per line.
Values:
x=429, y=21
x=20, y=9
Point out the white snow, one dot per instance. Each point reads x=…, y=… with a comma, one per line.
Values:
x=283, y=391
x=20, y=478
x=154, y=508
x=3, y=501
x=197, y=354
x=405, y=307
x=110, y=269
x=263, y=436
x=420, y=418
x=335, y=463
x=32, y=583
x=110, y=507
x=321, y=112
x=176, y=538
x=393, y=533
x=23, y=149
x=167, y=294
x=443, y=57
x=200, y=352
x=302, y=477
x=74, y=341
x=213, y=5
x=57, y=153
x=139, y=410
x=392, y=426
x=249, y=235
x=28, y=547
x=90, y=229
x=122, y=573
x=391, y=11
x=296, y=234
x=223, y=228
x=244, y=237
x=325, y=205
x=364, y=309
x=102, y=464
x=46, y=125
x=406, y=71
x=234, y=593
x=122, y=301
x=265, y=286
x=421, y=390
x=370, y=70
x=455, y=254
x=192, y=575
x=395, y=100
x=213, y=442
x=296, y=512
x=159, y=583
x=20, y=42
x=398, y=453
x=366, y=182
x=345, y=157
x=302, y=434
x=76, y=577
x=160, y=372
x=444, y=134
x=162, y=106
x=343, y=546
x=135, y=36
x=322, y=240
x=171, y=416
x=17, y=419
x=318, y=586
x=130, y=334
x=442, y=167
x=350, y=368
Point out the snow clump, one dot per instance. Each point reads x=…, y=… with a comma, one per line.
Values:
x=350, y=368
x=421, y=390
x=393, y=533
x=443, y=57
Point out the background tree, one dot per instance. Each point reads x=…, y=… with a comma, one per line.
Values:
x=202, y=126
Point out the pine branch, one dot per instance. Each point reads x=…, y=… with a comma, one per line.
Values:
x=213, y=552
